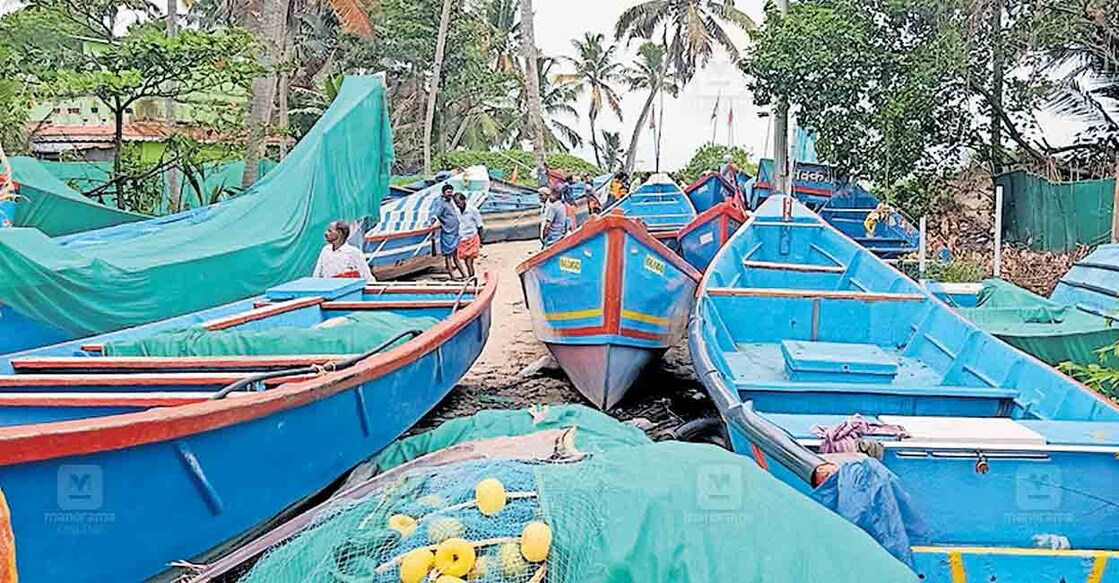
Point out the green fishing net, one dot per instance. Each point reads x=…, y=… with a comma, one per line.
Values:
x=351, y=334
x=629, y=510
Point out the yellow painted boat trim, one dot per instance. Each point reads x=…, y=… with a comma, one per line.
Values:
x=7, y=544
x=1096, y=553
x=1098, y=567
x=956, y=568
x=573, y=315
x=646, y=318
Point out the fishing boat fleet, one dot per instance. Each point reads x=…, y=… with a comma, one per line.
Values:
x=169, y=391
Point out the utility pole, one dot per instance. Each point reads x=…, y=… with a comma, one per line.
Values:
x=781, y=133
x=174, y=196
x=996, y=86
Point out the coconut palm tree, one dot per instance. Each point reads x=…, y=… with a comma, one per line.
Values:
x=692, y=29
x=532, y=84
x=504, y=31
x=557, y=103
x=596, y=70
x=649, y=72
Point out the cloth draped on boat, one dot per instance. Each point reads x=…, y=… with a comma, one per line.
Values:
x=845, y=436
x=1051, y=331
x=351, y=334
x=631, y=510
x=416, y=211
x=870, y=496
x=49, y=205
x=269, y=235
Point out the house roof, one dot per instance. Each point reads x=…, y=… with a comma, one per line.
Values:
x=54, y=137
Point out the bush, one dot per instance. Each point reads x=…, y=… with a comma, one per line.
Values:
x=710, y=157
x=506, y=160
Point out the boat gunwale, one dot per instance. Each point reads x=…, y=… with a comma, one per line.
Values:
x=600, y=224
x=726, y=208
x=703, y=178
x=44, y=441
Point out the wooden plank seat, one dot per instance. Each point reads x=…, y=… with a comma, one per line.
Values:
x=135, y=382
x=103, y=399
x=757, y=292
x=167, y=364
x=881, y=389
x=802, y=267
x=260, y=313
x=394, y=305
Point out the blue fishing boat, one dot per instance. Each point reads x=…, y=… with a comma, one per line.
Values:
x=713, y=188
x=1011, y=464
x=124, y=452
x=606, y=300
x=661, y=206
x=844, y=204
x=700, y=239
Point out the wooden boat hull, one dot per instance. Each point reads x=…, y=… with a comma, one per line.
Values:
x=700, y=239
x=796, y=326
x=606, y=300
x=121, y=495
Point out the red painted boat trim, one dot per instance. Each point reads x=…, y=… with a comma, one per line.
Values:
x=402, y=304
x=759, y=457
x=43, y=441
x=157, y=362
x=707, y=176
x=599, y=224
x=261, y=313
x=804, y=189
x=373, y=238
x=580, y=331
x=612, y=287
x=94, y=348
x=418, y=289
x=130, y=379
x=100, y=399
x=643, y=335
x=658, y=235
x=723, y=209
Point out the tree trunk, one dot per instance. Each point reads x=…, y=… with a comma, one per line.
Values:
x=996, y=85
x=532, y=84
x=269, y=30
x=174, y=195
x=594, y=143
x=284, y=88
x=118, y=145
x=631, y=153
x=433, y=88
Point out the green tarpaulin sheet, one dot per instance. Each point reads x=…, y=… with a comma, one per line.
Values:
x=49, y=205
x=352, y=334
x=267, y=236
x=1056, y=216
x=1052, y=332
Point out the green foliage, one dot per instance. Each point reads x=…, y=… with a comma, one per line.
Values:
x=958, y=270
x=880, y=81
x=139, y=189
x=920, y=194
x=508, y=160
x=710, y=157
x=1102, y=377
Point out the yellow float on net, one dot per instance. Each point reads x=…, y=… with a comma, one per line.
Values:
x=415, y=565
x=536, y=541
x=490, y=496
x=454, y=557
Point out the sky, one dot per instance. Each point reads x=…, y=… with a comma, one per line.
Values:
x=688, y=118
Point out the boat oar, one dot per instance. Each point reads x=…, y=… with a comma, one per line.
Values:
x=328, y=367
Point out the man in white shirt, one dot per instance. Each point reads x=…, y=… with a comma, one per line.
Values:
x=338, y=258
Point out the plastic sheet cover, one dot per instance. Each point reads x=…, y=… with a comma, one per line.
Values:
x=269, y=235
x=49, y=205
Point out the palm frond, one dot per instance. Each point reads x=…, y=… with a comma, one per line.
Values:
x=641, y=20
x=353, y=17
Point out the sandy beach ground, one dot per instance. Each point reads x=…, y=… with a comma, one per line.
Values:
x=667, y=395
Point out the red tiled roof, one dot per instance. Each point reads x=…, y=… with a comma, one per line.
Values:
x=92, y=135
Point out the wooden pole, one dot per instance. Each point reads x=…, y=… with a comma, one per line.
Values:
x=922, y=249
x=1115, y=207
x=781, y=134
x=997, y=263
